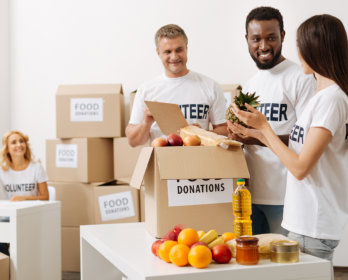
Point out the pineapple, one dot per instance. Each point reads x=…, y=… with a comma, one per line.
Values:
x=240, y=100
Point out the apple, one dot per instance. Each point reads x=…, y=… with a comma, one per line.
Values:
x=159, y=142
x=199, y=243
x=174, y=140
x=221, y=253
x=192, y=140
x=173, y=233
x=155, y=246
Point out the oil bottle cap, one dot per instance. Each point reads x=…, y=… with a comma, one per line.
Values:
x=240, y=181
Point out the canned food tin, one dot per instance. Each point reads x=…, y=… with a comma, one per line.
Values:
x=284, y=251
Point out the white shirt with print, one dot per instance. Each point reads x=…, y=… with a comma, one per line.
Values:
x=23, y=182
x=317, y=206
x=200, y=98
x=283, y=92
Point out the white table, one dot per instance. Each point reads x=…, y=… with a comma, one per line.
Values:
x=123, y=251
x=34, y=235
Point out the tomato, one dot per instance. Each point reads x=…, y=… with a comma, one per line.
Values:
x=221, y=253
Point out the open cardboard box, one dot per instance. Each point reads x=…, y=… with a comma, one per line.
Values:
x=186, y=185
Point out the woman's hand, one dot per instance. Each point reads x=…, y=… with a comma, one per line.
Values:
x=252, y=117
x=17, y=198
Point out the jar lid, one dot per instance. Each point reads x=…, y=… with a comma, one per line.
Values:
x=284, y=246
x=247, y=240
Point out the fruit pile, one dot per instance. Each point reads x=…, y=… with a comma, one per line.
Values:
x=197, y=248
x=175, y=140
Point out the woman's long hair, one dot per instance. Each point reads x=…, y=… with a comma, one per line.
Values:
x=5, y=157
x=323, y=44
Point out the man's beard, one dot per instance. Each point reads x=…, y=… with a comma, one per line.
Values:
x=267, y=65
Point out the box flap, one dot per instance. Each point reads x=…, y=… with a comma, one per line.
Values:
x=202, y=162
x=89, y=89
x=168, y=116
x=140, y=168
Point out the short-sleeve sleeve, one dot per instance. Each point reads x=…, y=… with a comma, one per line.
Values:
x=137, y=114
x=41, y=175
x=218, y=114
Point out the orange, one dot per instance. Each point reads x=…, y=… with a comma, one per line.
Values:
x=178, y=255
x=228, y=236
x=200, y=256
x=188, y=236
x=164, y=249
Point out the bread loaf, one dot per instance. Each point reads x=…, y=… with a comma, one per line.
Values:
x=208, y=138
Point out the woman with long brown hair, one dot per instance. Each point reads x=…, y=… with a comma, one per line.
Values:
x=316, y=200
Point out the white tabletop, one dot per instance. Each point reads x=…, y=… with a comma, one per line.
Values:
x=8, y=208
x=128, y=247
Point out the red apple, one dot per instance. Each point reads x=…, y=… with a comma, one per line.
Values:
x=173, y=233
x=221, y=253
x=159, y=142
x=199, y=243
x=192, y=140
x=174, y=140
x=155, y=246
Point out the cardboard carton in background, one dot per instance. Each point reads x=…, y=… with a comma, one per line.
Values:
x=115, y=204
x=90, y=111
x=70, y=249
x=230, y=91
x=76, y=203
x=80, y=160
x=80, y=203
x=4, y=267
x=125, y=159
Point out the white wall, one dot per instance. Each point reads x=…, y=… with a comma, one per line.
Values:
x=4, y=68
x=111, y=41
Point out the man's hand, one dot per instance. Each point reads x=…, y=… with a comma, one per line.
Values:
x=248, y=136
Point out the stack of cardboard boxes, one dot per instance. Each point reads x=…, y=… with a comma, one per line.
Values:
x=90, y=163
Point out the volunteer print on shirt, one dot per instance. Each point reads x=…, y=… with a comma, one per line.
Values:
x=23, y=182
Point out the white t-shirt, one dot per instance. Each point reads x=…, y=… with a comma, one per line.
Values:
x=317, y=206
x=283, y=92
x=200, y=98
x=23, y=182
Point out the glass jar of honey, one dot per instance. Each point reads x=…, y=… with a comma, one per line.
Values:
x=247, y=250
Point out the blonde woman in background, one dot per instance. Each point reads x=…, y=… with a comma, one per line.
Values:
x=21, y=177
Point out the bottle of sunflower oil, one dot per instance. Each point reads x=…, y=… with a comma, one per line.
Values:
x=241, y=202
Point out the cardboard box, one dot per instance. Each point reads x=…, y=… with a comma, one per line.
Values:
x=96, y=203
x=230, y=91
x=115, y=204
x=90, y=111
x=76, y=203
x=125, y=159
x=188, y=185
x=4, y=267
x=70, y=249
x=80, y=160
x=142, y=203
x=173, y=195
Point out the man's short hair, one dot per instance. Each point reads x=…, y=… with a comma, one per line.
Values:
x=170, y=31
x=265, y=13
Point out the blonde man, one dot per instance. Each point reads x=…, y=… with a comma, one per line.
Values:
x=199, y=97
